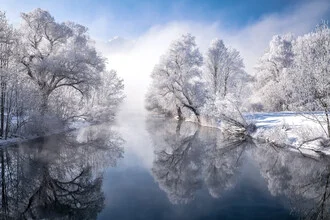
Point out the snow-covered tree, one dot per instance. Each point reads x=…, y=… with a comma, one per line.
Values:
x=54, y=68
x=224, y=69
x=105, y=99
x=176, y=81
x=271, y=74
x=226, y=80
x=8, y=43
x=56, y=55
x=100, y=105
x=182, y=81
x=310, y=72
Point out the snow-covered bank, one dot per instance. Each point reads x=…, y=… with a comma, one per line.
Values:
x=303, y=132
x=299, y=132
x=271, y=119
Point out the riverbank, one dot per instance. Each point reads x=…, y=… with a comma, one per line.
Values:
x=300, y=132
x=303, y=132
x=68, y=128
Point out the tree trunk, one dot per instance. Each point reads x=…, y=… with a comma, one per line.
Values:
x=44, y=103
x=2, y=108
x=3, y=184
x=4, y=66
x=198, y=118
x=215, y=80
x=194, y=110
x=178, y=127
x=225, y=86
x=179, y=112
x=328, y=122
x=9, y=114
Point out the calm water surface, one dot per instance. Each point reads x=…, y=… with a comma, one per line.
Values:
x=157, y=169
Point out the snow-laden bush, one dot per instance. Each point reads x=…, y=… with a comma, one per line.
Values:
x=225, y=113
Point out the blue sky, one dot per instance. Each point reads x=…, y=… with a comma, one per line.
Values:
x=130, y=18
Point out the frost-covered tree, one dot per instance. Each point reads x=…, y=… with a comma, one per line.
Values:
x=224, y=69
x=100, y=105
x=56, y=55
x=18, y=96
x=310, y=72
x=105, y=99
x=226, y=79
x=176, y=81
x=180, y=84
x=8, y=43
x=54, y=68
x=271, y=74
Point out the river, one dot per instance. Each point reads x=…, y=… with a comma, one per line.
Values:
x=159, y=169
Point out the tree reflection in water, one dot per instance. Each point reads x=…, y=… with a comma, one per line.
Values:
x=304, y=181
x=59, y=177
x=189, y=157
